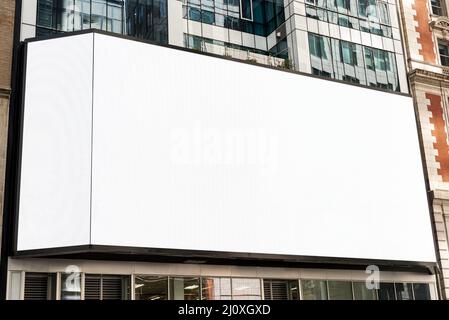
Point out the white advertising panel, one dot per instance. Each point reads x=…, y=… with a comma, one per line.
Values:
x=178, y=150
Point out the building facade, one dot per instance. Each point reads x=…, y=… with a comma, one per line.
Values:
x=358, y=42
x=425, y=31
x=6, y=48
x=351, y=47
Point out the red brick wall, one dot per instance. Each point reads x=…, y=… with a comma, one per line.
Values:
x=423, y=28
x=440, y=134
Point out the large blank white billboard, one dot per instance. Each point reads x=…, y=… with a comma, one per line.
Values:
x=137, y=145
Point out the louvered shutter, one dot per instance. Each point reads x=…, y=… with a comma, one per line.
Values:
x=112, y=287
x=36, y=285
x=275, y=289
x=92, y=287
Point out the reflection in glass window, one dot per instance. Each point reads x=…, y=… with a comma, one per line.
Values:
x=151, y=288
x=71, y=286
x=348, y=52
x=146, y=19
x=404, y=291
x=184, y=288
x=386, y=291
x=366, y=15
x=246, y=289
x=314, y=289
x=340, y=290
x=316, y=46
x=247, y=9
x=258, y=17
x=215, y=288
x=352, y=62
x=361, y=292
x=421, y=291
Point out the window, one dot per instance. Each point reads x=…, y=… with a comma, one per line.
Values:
x=348, y=53
x=314, y=289
x=246, y=9
x=437, y=8
x=343, y=4
x=340, y=290
x=361, y=292
x=421, y=291
x=40, y=286
x=184, y=288
x=316, y=46
x=208, y=17
x=443, y=49
x=216, y=288
x=404, y=291
x=387, y=292
x=151, y=288
x=71, y=286
x=280, y=289
x=246, y=289
x=369, y=58
x=381, y=60
x=353, y=63
x=106, y=287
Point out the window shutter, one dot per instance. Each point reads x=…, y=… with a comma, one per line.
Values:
x=39, y=286
x=275, y=290
x=112, y=287
x=92, y=287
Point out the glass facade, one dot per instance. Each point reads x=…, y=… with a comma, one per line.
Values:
x=201, y=44
x=145, y=19
x=352, y=62
x=347, y=290
x=259, y=17
x=366, y=15
x=74, y=286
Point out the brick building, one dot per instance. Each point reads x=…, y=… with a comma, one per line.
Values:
x=6, y=47
x=426, y=33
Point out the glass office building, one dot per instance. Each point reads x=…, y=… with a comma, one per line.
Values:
x=137, y=18
x=357, y=41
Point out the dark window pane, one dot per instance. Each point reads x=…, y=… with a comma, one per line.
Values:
x=404, y=291
x=421, y=291
x=437, y=8
x=40, y=286
x=247, y=10
x=151, y=288
x=386, y=291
